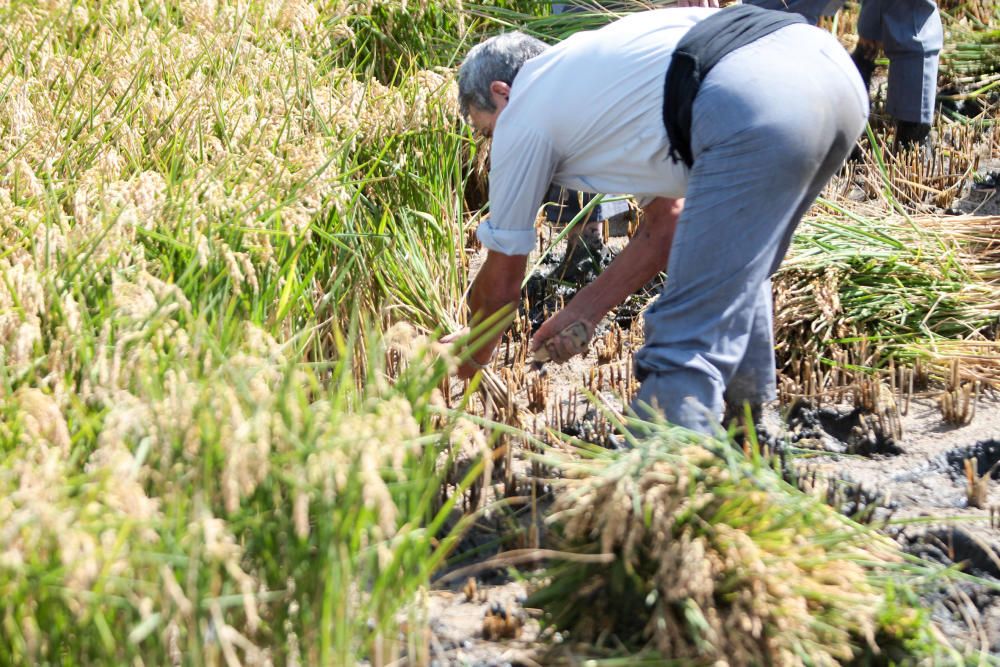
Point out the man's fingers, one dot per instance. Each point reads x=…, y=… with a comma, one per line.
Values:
x=454, y=336
x=538, y=340
x=549, y=330
x=557, y=349
x=568, y=343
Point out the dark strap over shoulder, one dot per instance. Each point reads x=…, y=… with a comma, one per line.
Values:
x=698, y=52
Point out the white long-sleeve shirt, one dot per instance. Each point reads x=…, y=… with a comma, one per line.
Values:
x=586, y=114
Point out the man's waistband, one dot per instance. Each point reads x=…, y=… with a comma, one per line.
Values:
x=698, y=52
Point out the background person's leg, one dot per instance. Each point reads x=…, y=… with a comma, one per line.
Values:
x=772, y=123
x=753, y=382
x=870, y=20
x=911, y=36
x=564, y=204
x=912, y=39
x=869, y=38
x=811, y=9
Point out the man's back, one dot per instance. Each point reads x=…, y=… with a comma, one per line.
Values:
x=594, y=103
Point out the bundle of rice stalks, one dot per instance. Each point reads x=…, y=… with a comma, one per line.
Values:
x=537, y=18
x=978, y=11
x=716, y=559
x=854, y=283
x=977, y=53
x=970, y=60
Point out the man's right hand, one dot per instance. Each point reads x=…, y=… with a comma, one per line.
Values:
x=495, y=292
x=474, y=363
x=563, y=336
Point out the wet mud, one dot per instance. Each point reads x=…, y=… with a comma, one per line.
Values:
x=986, y=454
x=952, y=545
x=966, y=610
x=842, y=430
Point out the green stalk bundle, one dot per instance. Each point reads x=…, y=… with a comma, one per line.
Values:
x=898, y=284
x=713, y=559
x=972, y=60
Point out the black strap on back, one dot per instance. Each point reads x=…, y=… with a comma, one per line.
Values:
x=698, y=52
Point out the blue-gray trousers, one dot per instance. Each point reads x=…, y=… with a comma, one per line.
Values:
x=772, y=123
x=911, y=36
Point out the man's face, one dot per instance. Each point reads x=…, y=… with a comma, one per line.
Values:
x=482, y=121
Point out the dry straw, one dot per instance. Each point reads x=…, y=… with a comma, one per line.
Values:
x=860, y=288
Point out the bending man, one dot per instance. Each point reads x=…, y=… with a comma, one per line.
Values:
x=778, y=109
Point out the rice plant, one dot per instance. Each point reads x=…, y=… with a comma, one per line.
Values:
x=922, y=287
x=203, y=460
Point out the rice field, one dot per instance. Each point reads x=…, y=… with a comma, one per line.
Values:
x=234, y=234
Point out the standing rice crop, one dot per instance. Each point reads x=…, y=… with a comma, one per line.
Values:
x=230, y=507
x=202, y=460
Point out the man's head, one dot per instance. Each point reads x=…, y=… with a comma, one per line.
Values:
x=488, y=71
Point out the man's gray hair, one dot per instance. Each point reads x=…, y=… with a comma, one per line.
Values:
x=496, y=59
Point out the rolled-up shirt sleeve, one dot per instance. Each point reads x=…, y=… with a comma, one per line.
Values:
x=521, y=166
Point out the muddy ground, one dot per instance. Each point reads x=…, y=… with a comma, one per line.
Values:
x=919, y=495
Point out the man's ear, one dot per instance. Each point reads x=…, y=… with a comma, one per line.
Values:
x=500, y=88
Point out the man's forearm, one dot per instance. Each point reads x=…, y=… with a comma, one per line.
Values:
x=496, y=286
x=645, y=256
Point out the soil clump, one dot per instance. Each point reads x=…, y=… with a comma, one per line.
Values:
x=839, y=429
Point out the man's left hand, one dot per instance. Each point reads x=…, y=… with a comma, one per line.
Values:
x=564, y=335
